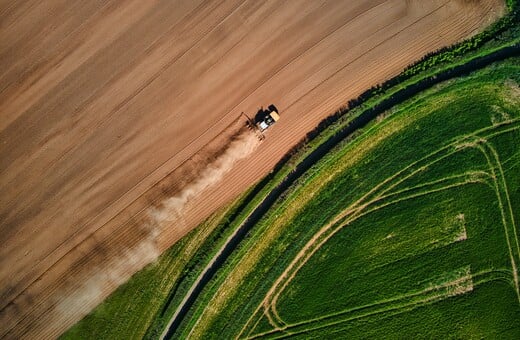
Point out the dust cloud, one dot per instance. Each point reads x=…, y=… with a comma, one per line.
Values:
x=84, y=296
x=87, y=295
x=171, y=209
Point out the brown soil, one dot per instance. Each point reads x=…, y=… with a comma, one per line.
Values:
x=101, y=102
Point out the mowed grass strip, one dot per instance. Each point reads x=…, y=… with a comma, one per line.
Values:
x=398, y=249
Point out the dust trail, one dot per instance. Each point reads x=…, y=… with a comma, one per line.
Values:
x=86, y=295
x=122, y=262
x=171, y=209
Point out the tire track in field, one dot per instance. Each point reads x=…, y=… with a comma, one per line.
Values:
x=358, y=206
x=360, y=209
x=403, y=303
x=506, y=210
x=500, y=188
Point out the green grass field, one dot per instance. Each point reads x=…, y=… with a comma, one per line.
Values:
x=408, y=231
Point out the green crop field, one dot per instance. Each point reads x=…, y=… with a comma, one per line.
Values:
x=410, y=230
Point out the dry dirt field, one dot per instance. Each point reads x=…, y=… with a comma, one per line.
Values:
x=108, y=109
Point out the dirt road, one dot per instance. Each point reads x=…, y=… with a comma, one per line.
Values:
x=101, y=102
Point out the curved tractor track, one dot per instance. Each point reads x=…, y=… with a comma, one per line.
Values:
x=103, y=102
x=383, y=195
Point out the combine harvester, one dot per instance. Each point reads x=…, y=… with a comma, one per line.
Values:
x=263, y=120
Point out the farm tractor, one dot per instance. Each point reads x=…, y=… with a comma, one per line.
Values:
x=263, y=120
